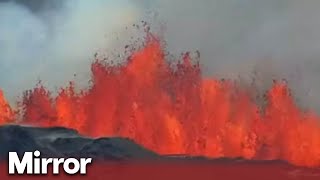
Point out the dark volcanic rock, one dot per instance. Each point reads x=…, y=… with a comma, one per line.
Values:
x=63, y=142
x=16, y=139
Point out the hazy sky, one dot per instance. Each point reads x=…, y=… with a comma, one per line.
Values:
x=52, y=40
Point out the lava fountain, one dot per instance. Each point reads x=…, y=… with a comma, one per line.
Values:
x=173, y=109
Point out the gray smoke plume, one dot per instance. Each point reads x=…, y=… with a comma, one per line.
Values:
x=275, y=38
x=52, y=40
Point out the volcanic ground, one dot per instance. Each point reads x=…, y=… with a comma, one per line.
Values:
x=122, y=158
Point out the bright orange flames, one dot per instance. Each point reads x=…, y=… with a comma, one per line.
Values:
x=177, y=111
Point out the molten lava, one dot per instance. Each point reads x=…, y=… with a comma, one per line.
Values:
x=175, y=110
x=6, y=113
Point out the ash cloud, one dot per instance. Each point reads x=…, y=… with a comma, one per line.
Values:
x=52, y=40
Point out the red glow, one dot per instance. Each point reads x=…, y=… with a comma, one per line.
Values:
x=179, y=170
x=178, y=111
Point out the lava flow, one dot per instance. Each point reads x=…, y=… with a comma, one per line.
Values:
x=173, y=109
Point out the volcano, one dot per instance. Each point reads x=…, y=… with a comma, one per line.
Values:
x=167, y=108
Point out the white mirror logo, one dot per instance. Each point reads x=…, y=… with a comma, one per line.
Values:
x=31, y=163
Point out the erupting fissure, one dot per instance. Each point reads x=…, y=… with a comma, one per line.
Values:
x=175, y=110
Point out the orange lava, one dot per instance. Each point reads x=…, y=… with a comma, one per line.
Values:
x=175, y=110
x=6, y=113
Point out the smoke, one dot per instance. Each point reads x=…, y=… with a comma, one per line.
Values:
x=275, y=38
x=53, y=40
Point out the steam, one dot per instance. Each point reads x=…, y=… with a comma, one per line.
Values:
x=275, y=38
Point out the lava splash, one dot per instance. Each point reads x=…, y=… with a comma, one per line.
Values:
x=173, y=109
